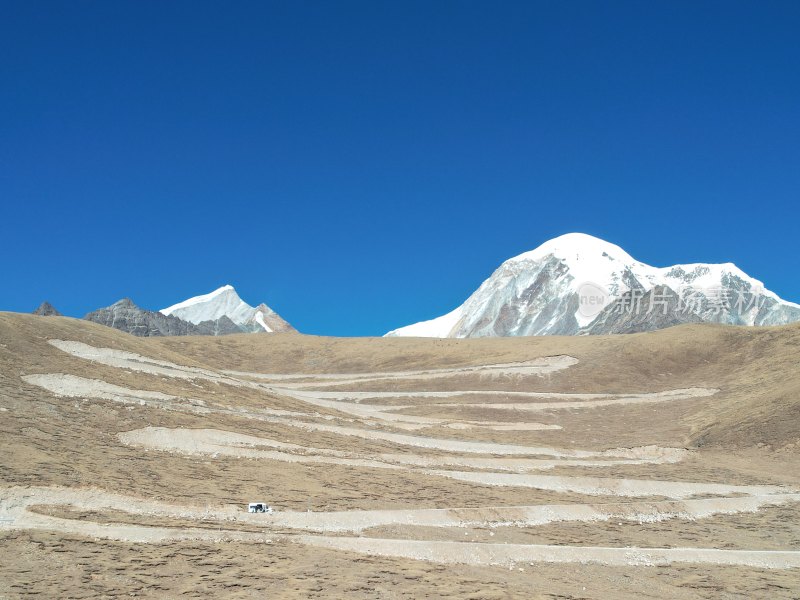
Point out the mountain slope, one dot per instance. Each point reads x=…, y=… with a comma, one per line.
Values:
x=577, y=284
x=226, y=305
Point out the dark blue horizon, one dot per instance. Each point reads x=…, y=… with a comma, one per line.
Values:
x=360, y=166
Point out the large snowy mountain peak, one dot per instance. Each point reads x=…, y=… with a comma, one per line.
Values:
x=577, y=283
x=585, y=258
x=576, y=246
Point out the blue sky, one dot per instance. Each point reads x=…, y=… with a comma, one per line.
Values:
x=364, y=165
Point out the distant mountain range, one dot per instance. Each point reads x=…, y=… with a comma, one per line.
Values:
x=579, y=284
x=574, y=284
x=218, y=313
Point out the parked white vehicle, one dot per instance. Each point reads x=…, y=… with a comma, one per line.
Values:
x=259, y=507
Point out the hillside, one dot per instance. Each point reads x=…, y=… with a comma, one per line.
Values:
x=438, y=464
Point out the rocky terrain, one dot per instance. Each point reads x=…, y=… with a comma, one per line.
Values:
x=126, y=316
x=46, y=310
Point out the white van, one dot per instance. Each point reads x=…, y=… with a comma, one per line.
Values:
x=259, y=507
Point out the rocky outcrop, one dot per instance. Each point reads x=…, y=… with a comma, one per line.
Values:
x=47, y=310
x=126, y=316
x=221, y=326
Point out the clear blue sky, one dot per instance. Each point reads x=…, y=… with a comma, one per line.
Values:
x=364, y=165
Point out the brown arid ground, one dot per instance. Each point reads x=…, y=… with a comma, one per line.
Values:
x=660, y=465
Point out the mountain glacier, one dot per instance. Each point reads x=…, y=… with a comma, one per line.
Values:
x=580, y=284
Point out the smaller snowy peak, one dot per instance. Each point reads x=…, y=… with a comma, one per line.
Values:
x=203, y=300
x=224, y=302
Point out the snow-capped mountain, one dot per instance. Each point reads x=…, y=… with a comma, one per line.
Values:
x=577, y=283
x=224, y=308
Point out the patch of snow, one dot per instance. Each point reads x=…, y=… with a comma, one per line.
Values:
x=439, y=327
x=260, y=320
x=197, y=300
